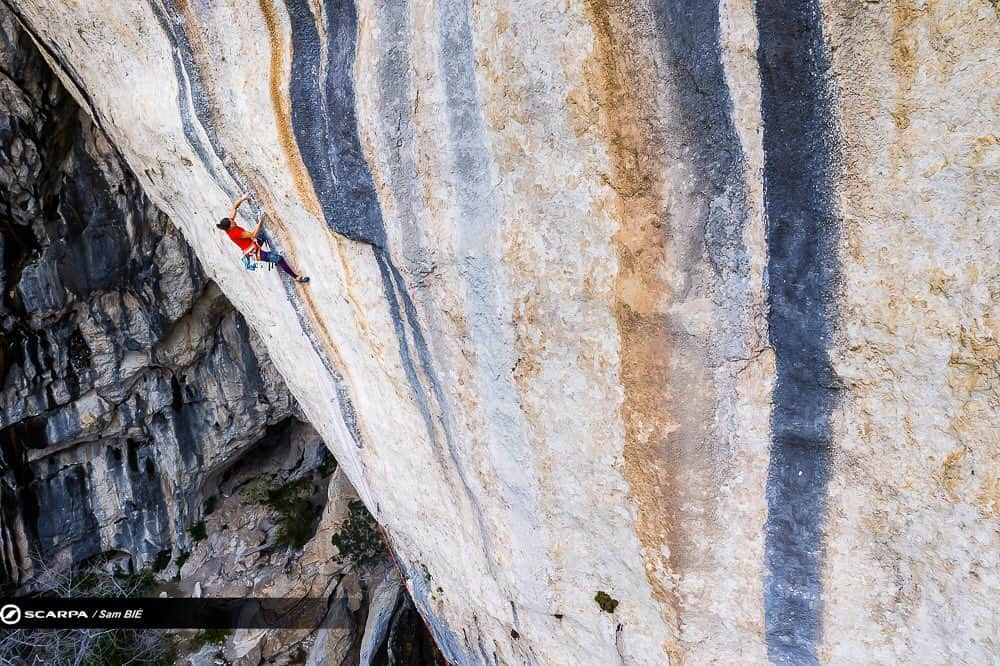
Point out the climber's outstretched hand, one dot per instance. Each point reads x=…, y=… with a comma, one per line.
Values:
x=237, y=204
x=260, y=223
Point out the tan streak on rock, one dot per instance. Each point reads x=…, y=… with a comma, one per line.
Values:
x=276, y=224
x=282, y=116
x=624, y=109
x=330, y=347
x=282, y=107
x=904, y=66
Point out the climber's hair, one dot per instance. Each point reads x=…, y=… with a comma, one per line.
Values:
x=224, y=223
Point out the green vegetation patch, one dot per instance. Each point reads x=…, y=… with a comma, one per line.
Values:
x=210, y=637
x=604, y=600
x=139, y=583
x=358, y=540
x=162, y=561
x=296, y=513
x=198, y=531
x=85, y=582
x=181, y=559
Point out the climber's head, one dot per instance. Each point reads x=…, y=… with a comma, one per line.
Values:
x=225, y=223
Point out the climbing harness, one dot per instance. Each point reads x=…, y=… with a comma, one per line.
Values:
x=251, y=256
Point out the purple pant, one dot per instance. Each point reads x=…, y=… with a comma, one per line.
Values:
x=275, y=258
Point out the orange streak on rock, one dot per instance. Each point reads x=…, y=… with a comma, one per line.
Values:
x=620, y=99
x=281, y=104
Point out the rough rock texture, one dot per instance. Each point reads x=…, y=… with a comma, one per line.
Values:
x=128, y=378
x=689, y=303
x=267, y=535
x=141, y=424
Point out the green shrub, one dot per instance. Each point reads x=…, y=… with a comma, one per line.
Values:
x=181, y=559
x=359, y=540
x=139, y=583
x=210, y=637
x=86, y=581
x=198, y=531
x=162, y=561
x=296, y=513
x=607, y=604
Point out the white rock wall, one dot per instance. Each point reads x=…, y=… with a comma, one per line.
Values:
x=542, y=350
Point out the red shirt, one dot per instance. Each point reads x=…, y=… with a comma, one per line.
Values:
x=236, y=233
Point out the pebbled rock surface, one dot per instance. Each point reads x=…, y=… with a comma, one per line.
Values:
x=688, y=306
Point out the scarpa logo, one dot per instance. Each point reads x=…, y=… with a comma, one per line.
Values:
x=10, y=614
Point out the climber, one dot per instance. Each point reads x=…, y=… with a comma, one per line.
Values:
x=250, y=242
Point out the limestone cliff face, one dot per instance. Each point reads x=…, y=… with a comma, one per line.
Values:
x=689, y=303
x=128, y=378
x=142, y=427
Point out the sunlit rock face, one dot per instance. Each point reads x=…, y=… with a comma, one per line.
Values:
x=689, y=303
x=128, y=379
x=142, y=426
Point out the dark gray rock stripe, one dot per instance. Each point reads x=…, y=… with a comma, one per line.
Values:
x=389, y=287
x=802, y=230
x=324, y=120
x=324, y=124
x=406, y=323
x=190, y=93
x=193, y=96
x=323, y=139
x=325, y=129
x=689, y=40
x=420, y=591
x=466, y=130
x=470, y=175
x=418, y=585
x=345, y=403
x=395, y=109
x=705, y=225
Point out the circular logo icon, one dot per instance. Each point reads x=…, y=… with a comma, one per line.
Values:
x=10, y=614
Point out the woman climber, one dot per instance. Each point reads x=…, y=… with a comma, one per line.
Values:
x=250, y=243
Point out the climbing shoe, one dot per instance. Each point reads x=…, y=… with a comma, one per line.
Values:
x=302, y=280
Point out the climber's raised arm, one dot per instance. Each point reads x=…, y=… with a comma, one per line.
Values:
x=256, y=230
x=236, y=206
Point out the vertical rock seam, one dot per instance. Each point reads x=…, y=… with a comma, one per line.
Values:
x=323, y=146
x=801, y=241
x=689, y=38
x=191, y=94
